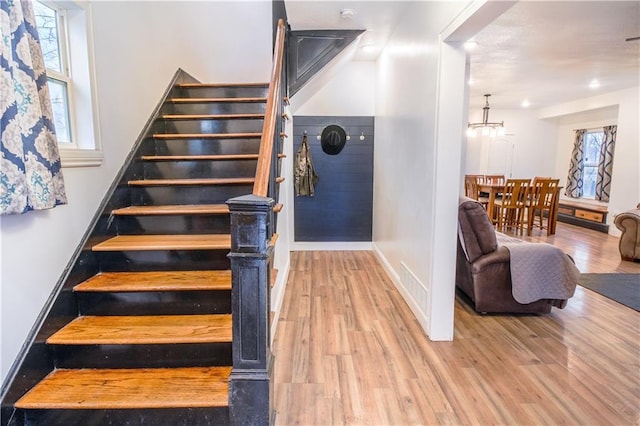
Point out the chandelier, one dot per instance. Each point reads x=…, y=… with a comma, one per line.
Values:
x=487, y=128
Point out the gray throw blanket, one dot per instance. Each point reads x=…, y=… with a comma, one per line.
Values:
x=539, y=271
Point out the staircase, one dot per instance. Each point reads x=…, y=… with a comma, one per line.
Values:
x=151, y=342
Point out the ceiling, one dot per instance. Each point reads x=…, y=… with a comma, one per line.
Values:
x=546, y=52
x=379, y=18
x=549, y=52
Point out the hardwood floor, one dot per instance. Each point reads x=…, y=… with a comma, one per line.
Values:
x=349, y=351
x=592, y=251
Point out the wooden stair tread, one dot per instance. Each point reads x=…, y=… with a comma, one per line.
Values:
x=214, y=100
x=156, y=281
x=172, y=210
x=144, y=329
x=246, y=135
x=247, y=116
x=252, y=84
x=219, y=157
x=204, y=181
x=130, y=388
x=165, y=242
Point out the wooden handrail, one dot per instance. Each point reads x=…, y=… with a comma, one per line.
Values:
x=261, y=185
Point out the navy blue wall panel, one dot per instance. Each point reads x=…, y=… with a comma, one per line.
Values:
x=342, y=206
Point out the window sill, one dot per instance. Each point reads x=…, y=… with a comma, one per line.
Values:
x=81, y=157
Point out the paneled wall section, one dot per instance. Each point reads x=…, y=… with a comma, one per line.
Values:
x=341, y=208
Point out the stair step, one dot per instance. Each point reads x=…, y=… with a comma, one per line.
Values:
x=205, y=181
x=246, y=116
x=216, y=100
x=178, y=209
x=130, y=389
x=144, y=330
x=157, y=281
x=249, y=135
x=165, y=242
x=219, y=157
x=197, y=85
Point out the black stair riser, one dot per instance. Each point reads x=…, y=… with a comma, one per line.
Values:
x=38, y=364
x=225, y=92
x=155, y=303
x=143, y=356
x=163, y=260
x=204, y=194
x=207, y=146
x=170, y=224
x=213, y=126
x=121, y=417
x=199, y=169
x=217, y=108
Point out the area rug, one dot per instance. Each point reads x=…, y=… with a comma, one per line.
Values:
x=623, y=288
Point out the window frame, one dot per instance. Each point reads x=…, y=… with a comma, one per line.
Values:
x=84, y=149
x=591, y=164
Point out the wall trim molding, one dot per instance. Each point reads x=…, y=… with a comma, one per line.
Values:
x=277, y=296
x=419, y=313
x=332, y=246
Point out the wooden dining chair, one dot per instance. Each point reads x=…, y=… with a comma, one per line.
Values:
x=537, y=178
x=494, y=179
x=476, y=178
x=540, y=200
x=511, y=208
x=471, y=189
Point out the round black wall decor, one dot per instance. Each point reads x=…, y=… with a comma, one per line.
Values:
x=333, y=139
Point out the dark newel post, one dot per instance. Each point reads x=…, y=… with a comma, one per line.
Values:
x=249, y=383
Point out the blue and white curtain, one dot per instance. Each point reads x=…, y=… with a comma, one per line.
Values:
x=30, y=169
x=576, y=167
x=605, y=163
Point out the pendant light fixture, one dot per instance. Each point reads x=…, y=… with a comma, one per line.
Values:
x=486, y=128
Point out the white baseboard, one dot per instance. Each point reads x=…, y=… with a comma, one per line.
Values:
x=332, y=246
x=277, y=295
x=419, y=313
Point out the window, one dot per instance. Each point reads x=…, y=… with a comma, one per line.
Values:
x=53, y=40
x=66, y=41
x=591, y=144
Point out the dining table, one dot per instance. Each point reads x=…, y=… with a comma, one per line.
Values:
x=495, y=189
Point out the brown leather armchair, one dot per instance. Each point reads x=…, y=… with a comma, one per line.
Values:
x=629, y=223
x=483, y=270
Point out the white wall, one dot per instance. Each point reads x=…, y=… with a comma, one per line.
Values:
x=530, y=144
x=405, y=152
x=350, y=92
x=138, y=48
x=621, y=108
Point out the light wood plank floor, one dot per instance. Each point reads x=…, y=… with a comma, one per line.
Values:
x=349, y=351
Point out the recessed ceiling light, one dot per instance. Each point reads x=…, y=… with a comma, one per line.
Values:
x=525, y=103
x=347, y=13
x=368, y=47
x=594, y=84
x=470, y=44
x=470, y=82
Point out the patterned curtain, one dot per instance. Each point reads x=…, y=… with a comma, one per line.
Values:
x=605, y=163
x=30, y=170
x=576, y=167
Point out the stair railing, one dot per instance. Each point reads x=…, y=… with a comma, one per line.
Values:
x=252, y=240
x=265, y=176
